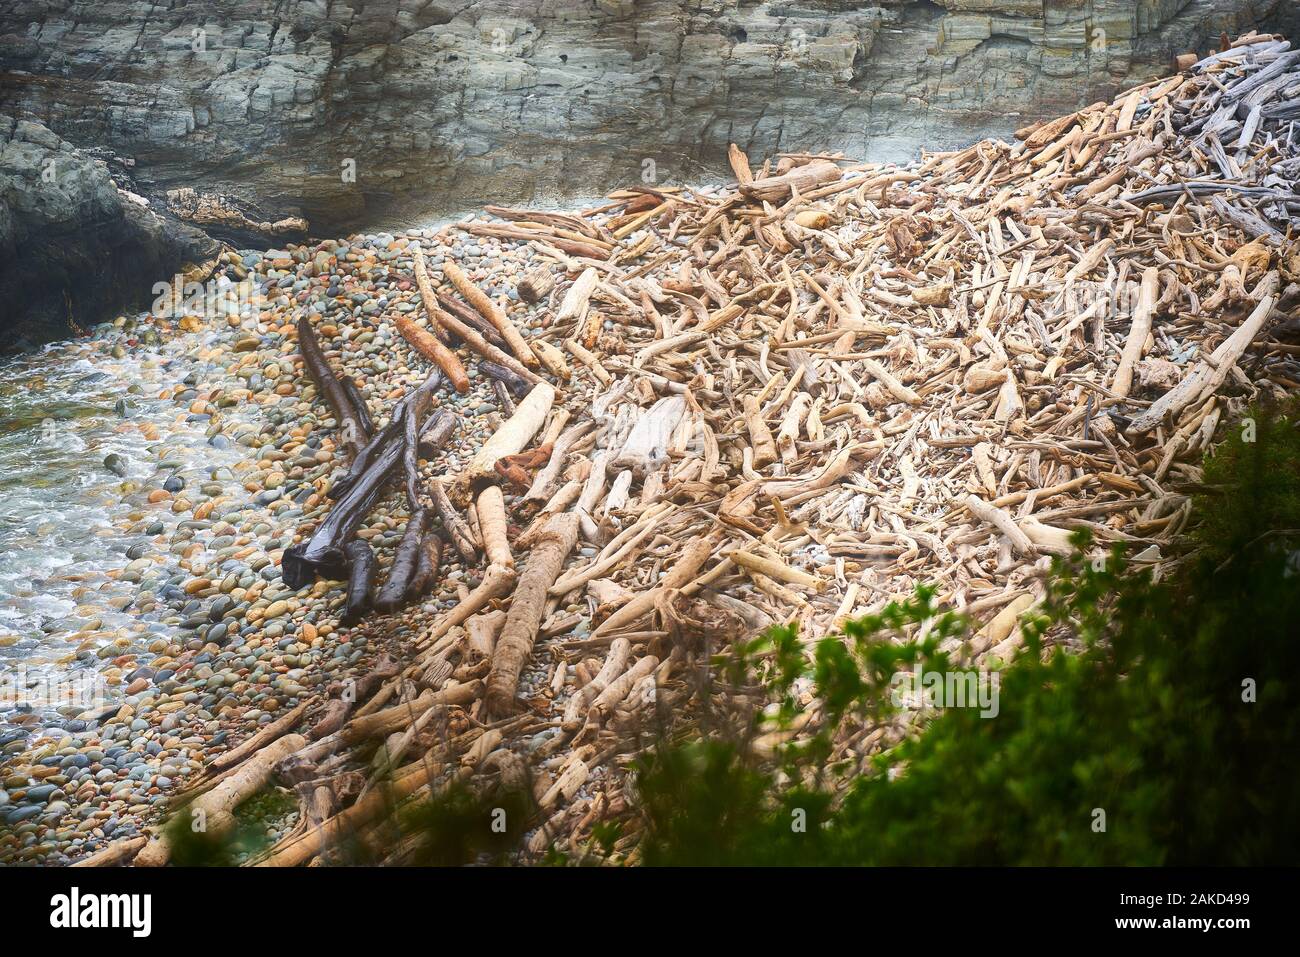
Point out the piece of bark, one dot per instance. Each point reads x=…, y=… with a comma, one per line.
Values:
x=537, y=285
x=437, y=432
x=517, y=385
x=513, y=648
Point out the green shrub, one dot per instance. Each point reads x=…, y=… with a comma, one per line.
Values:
x=1179, y=721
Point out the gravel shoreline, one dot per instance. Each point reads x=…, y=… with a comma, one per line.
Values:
x=242, y=648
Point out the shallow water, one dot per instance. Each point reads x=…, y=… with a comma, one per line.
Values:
x=64, y=522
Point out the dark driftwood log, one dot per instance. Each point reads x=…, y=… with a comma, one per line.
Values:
x=358, y=404
x=394, y=433
x=517, y=384
x=323, y=553
x=405, y=563
x=361, y=577
x=352, y=430
x=426, y=566
x=435, y=429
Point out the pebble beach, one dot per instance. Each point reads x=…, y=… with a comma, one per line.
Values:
x=145, y=629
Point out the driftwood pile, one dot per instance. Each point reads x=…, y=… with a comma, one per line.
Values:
x=795, y=399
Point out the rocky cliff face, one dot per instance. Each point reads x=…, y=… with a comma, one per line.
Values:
x=366, y=111
x=74, y=247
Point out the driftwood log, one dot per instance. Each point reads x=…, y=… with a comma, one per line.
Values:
x=361, y=578
x=348, y=410
x=213, y=812
x=515, y=644
x=322, y=554
x=406, y=560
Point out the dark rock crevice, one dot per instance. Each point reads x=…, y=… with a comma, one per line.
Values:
x=75, y=249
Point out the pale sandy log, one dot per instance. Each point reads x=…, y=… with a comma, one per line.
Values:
x=690, y=561
x=1047, y=538
x=774, y=189
x=608, y=699
x=1138, y=331
x=527, y=606
x=620, y=650
x=887, y=379
x=575, y=302
x=1003, y=522
x=587, y=358
x=116, y=854
x=775, y=569
x=398, y=716
x=514, y=434
x=261, y=739
x=497, y=582
x=492, y=522
x=1002, y=624
x=553, y=359
x=303, y=847
x=215, y=809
